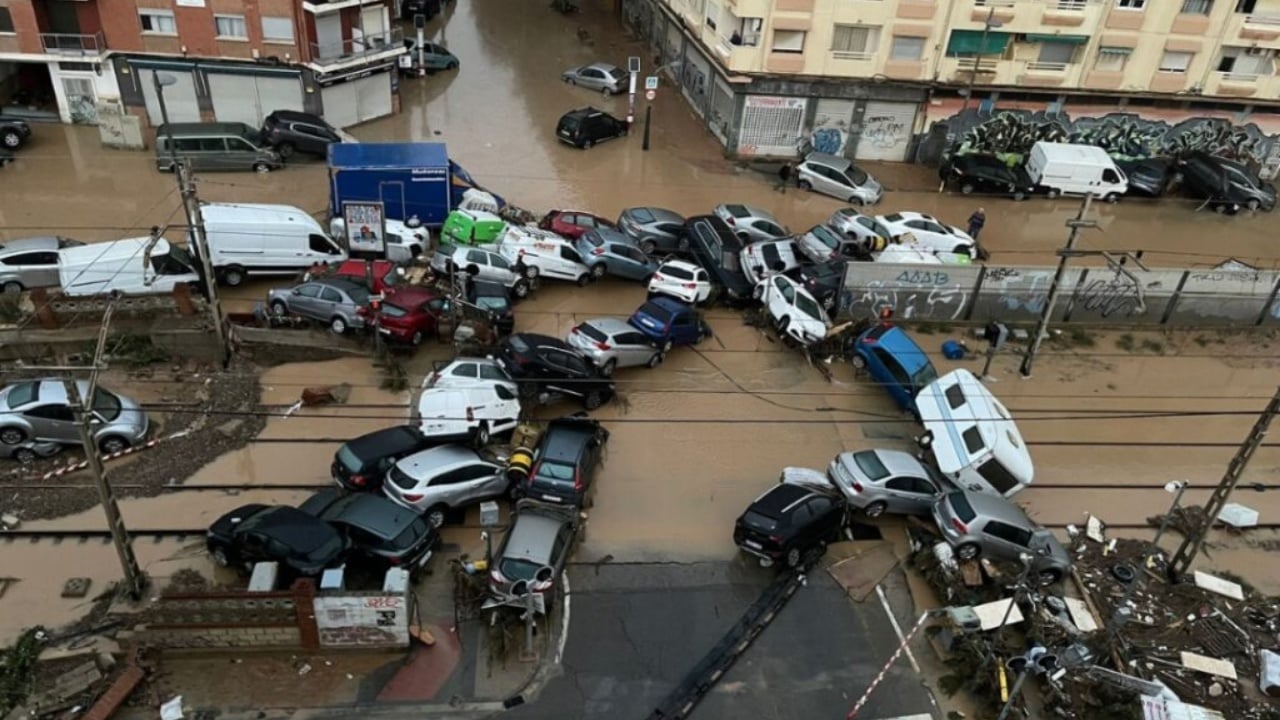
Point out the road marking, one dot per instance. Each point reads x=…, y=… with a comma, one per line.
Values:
x=884, y=601
x=564, y=617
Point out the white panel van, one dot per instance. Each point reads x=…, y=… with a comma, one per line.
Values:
x=974, y=441
x=125, y=266
x=256, y=239
x=1068, y=169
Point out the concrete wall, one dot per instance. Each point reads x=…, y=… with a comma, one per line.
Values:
x=1167, y=297
x=367, y=620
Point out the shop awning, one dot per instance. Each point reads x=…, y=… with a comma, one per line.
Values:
x=1063, y=39
x=969, y=42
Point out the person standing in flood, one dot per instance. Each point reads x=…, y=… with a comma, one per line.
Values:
x=784, y=178
x=976, y=222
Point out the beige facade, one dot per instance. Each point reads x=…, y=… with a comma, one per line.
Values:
x=1208, y=49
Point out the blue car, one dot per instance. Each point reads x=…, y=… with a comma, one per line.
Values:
x=894, y=361
x=668, y=322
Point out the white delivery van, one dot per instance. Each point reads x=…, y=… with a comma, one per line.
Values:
x=973, y=439
x=255, y=239
x=542, y=253
x=1068, y=169
x=127, y=266
x=476, y=412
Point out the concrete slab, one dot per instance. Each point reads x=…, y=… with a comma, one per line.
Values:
x=861, y=571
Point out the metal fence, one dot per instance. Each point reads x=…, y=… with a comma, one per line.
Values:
x=1160, y=297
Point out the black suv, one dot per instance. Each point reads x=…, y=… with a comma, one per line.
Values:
x=13, y=133
x=1148, y=177
x=564, y=462
x=289, y=132
x=988, y=174
x=822, y=280
x=362, y=463
x=716, y=248
x=788, y=521
x=300, y=542
x=494, y=299
x=386, y=534
x=1225, y=184
x=587, y=126
x=541, y=362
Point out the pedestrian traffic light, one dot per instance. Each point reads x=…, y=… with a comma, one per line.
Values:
x=1037, y=660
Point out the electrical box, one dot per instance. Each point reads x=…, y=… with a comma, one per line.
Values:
x=395, y=581
x=490, y=516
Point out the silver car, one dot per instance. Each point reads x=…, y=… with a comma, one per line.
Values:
x=750, y=223
x=333, y=301
x=605, y=250
x=880, y=481
x=821, y=244
x=612, y=343
x=39, y=411
x=654, y=229
x=608, y=79
x=981, y=524
x=836, y=176
x=762, y=259
x=444, y=478
x=532, y=554
x=481, y=264
x=864, y=233
x=31, y=262
x=29, y=451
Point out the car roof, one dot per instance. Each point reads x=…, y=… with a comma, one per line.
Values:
x=659, y=214
x=587, y=111
x=698, y=223
x=489, y=288
x=898, y=462
x=441, y=456
x=669, y=304
x=51, y=242
x=342, y=284
x=609, y=325
x=297, y=115
x=601, y=66
x=381, y=440
x=50, y=390
x=564, y=438
x=410, y=295
x=374, y=514
x=779, y=498
x=532, y=536
x=610, y=235
x=538, y=339
x=900, y=345
x=995, y=507
x=832, y=161
x=682, y=264
x=294, y=527
x=471, y=359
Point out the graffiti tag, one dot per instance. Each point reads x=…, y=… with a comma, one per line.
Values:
x=999, y=273
x=940, y=303
x=884, y=131
x=1111, y=297
x=827, y=140
x=922, y=277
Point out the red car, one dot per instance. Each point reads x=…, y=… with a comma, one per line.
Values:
x=409, y=314
x=572, y=223
x=384, y=273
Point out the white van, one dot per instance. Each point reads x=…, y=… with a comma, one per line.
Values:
x=258, y=239
x=543, y=253
x=974, y=441
x=476, y=411
x=1068, y=169
x=125, y=266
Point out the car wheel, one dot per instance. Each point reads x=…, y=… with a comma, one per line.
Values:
x=593, y=400
x=12, y=139
x=605, y=91
x=647, y=247
x=855, y=200
x=437, y=515
x=1019, y=196
x=482, y=435
x=473, y=270
x=608, y=367
x=286, y=150
x=586, y=144
x=598, y=270
x=968, y=551
x=26, y=456
x=966, y=188
x=12, y=288
x=793, y=557
x=112, y=444
x=584, y=280
x=1050, y=577
x=233, y=276
x=1053, y=193
x=745, y=238
x=666, y=346
x=962, y=250
x=521, y=289
x=656, y=359
x=858, y=362
x=12, y=435
x=416, y=339
x=926, y=439
x=805, y=185
x=571, y=81
x=278, y=309
x=1111, y=198
x=261, y=167
x=875, y=509
x=337, y=325
x=1253, y=204
x=220, y=557
x=531, y=272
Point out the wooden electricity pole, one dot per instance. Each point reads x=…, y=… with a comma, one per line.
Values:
x=200, y=243
x=1042, y=326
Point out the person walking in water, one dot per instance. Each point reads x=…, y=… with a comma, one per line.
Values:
x=976, y=222
x=784, y=178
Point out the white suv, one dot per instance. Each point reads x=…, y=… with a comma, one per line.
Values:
x=543, y=253
x=681, y=280
x=481, y=264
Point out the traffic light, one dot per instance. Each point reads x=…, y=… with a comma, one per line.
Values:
x=1037, y=660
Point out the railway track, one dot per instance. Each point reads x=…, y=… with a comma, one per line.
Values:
x=246, y=487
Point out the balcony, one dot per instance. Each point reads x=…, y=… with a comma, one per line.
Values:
x=1049, y=74
x=990, y=70
x=1233, y=84
x=326, y=7
x=743, y=56
x=838, y=63
x=73, y=45
x=1262, y=30
x=370, y=48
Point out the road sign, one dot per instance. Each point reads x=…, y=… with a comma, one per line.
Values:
x=650, y=94
x=651, y=83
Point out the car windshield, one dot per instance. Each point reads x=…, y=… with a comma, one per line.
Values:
x=617, y=74
x=569, y=122
x=518, y=569
x=177, y=261
x=254, y=136
x=771, y=256
x=756, y=521
x=106, y=405
x=555, y=472
x=393, y=311
x=349, y=460
x=490, y=302
x=593, y=332
x=806, y=305
x=925, y=375
x=656, y=311
x=961, y=507
x=676, y=272
x=825, y=236
x=857, y=175
x=327, y=549
x=518, y=344
x=641, y=215
x=594, y=238
x=869, y=463
x=410, y=536
x=359, y=294
x=23, y=393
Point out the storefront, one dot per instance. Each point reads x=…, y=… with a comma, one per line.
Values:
x=249, y=98
x=771, y=125
x=355, y=97
x=78, y=86
x=209, y=90
x=886, y=131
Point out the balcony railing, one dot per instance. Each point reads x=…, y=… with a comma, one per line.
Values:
x=993, y=3
x=1239, y=78
x=1070, y=4
x=983, y=65
x=1264, y=22
x=356, y=48
x=67, y=44
x=852, y=55
x=1047, y=67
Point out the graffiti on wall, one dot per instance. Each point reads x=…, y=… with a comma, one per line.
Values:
x=910, y=294
x=1123, y=135
x=884, y=131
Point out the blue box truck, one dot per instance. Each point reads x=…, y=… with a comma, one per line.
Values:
x=410, y=179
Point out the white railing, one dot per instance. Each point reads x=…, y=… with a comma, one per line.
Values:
x=1070, y=4
x=994, y=3
x=851, y=55
x=1271, y=22
x=986, y=65
x=1047, y=67
x=1239, y=77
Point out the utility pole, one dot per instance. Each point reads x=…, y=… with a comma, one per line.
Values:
x=1042, y=326
x=195, y=226
x=134, y=580
x=1191, y=544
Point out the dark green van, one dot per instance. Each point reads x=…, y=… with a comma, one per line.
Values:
x=214, y=146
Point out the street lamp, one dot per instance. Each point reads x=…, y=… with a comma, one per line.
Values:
x=162, y=81
x=991, y=22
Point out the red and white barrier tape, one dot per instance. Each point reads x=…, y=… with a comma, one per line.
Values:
x=885, y=670
x=85, y=463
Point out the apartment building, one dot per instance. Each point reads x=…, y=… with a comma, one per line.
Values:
x=227, y=60
x=863, y=77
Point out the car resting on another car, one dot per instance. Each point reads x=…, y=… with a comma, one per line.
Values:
x=383, y=533
x=611, y=343
x=362, y=462
x=565, y=460
x=668, y=322
x=788, y=521
x=894, y=361
x=532, y=555
x=302, y=543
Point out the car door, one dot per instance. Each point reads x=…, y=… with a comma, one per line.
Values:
x=251, y=547
x=499, y=269
x=887, y=371
x=905, y=495
x=633, y=348
x=1005, y=540
x=33, y=269
x=333, y=303
x=824, y=516
x=505, y=407
x=570, y=369
x=569, y=263
x=592, y=78
x=478, y=481
x=627, y=262
x=52, y=422
x=313, y=139
x=684, y=328
x=305, y=301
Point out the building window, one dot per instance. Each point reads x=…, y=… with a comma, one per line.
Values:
x=1247, y=62
x=1175, y=62
x=6, y=20
x=1112, y=59
x=1246, y=6
x=788, y=41
x=854, y=41
x=160, y=22
x=277, y=29
x=1197, y=7
x=1131, y=4
x=230, y=27
x=906, y=48
x=1055, y=53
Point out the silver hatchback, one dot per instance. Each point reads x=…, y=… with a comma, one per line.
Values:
x=608, y=79
x=836, y=176
x=880, y=481
x=31, y=262
x=750, y=223
x=612, y=343
x=442, y=479
x=984, y=525
x=39, y=411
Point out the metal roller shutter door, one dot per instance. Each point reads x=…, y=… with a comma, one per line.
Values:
x=886, y=131
x=373, y=96
x=771, y=125
x=341, y=104
x=250, y=98
x=721, y=109
x=831, y=126
x=179, y=98
x=278, y=92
